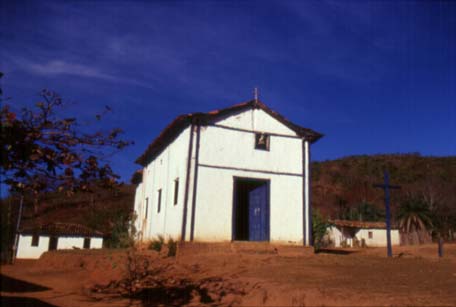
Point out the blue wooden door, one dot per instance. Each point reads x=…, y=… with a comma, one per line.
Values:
x=259, y=213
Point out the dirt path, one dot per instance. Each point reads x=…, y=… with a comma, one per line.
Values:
x=246, y=275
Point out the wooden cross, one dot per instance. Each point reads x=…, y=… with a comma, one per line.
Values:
x=386, y=188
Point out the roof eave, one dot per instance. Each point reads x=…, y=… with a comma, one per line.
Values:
x=180, y=123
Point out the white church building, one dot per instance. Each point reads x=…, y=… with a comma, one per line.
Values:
x=236, y=174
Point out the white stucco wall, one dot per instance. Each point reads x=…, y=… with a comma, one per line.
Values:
x=256, y=120
x=378, y=236
x=78, y=242
x=161, y=173
x=236, y=150
x=335, y=236
x=213, y=216
x=233, y=152
x=139, y=211
x=229, y=148
x=27, y=251
x=307, y=217
x=96, y=243
x=70, y=242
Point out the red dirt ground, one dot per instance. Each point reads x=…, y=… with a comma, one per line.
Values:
x=236, y=275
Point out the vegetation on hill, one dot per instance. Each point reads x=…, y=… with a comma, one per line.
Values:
x=343, y=188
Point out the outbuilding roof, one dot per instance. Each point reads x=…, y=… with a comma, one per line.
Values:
x=359, y=224
x=183, y=121
x=62, y=229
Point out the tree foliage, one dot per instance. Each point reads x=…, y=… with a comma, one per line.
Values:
x=123, y=233
x=319, y=229
x=414, y=215
x=41, y=150
x=363, y=212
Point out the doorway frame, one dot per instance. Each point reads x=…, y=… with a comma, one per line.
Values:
x=236, y=179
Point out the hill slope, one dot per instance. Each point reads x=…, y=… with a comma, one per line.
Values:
x=336, y=185
x=347, y=182
x=99, y=210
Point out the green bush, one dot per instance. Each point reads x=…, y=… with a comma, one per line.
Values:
x=319, y=226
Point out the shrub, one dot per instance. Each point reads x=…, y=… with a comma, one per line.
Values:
x=157, y=244
x=123, y=233
x=319, y=227
x=172, y=247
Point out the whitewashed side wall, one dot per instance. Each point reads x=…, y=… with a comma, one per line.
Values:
x=25, y=250
x=335, y=236
x=78, y=242
x=70, y=242
x=96, y=242
x=139, y=210
x=378, y=237
x=161, y=173
x=307, y=217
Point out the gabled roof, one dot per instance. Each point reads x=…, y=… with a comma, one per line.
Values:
x=61, y=229
x=183, y=121
x=359, y=224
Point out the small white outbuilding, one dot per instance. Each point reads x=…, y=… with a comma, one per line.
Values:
x=34, y=241
x=237, y=174
x=345, y=233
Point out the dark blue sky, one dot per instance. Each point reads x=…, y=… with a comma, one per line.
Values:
x=373, y=76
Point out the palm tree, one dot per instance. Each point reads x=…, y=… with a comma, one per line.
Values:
x=414, y=219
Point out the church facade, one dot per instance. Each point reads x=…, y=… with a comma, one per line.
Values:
x=237, y=174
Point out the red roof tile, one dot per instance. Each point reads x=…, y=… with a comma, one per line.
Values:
x=359, y=224
x=62, y=229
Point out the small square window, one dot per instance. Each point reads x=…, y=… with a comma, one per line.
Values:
x=371, y=235
x=261, y=141
x=35, y=240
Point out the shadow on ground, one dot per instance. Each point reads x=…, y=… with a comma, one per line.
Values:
x=12, y=301
x=172, y=296
x=335, y=251
x=10, y=284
